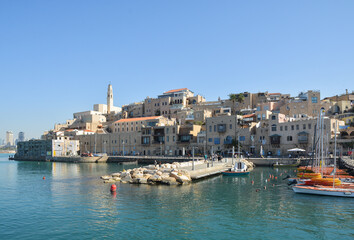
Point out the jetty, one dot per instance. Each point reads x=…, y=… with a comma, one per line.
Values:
x=173, y=174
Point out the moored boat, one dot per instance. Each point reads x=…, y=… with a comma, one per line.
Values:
x=324, y=190
x=239, y=169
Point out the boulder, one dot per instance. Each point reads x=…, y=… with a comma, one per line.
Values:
x=106, y=177
x=117, y=179
x=116, y=174
x=109, y=181
x=126, y=178
x=143, y=180
x=169, y=181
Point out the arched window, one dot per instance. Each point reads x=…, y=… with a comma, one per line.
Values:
x=274, y=127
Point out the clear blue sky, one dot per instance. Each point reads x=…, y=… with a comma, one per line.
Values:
x=57, y=57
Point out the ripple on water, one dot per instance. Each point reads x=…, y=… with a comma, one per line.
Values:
x=72, y=203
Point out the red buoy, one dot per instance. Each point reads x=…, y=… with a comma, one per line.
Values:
x=113, y=188
x=43, y=178
x=252, y=182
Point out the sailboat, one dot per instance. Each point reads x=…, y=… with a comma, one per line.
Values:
x=318, y=185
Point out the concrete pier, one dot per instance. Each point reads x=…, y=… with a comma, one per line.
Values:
x=207, y=169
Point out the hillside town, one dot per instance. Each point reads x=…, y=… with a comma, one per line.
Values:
x=178, y=122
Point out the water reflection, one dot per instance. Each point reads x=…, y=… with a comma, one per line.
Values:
x=74, y=203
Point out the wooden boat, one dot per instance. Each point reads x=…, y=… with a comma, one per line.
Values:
x=239, y=169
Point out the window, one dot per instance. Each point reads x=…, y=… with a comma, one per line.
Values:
x=289, y=138
x=263, y=116
x=266, y=108
x=281, y=128
x=258, y=108
x=274, y=117
x=230, y=126
x=258, y=116
x=173, y=130
x=168, y=138
x=309, y=125
x=314, y=99
x=216, y=140
x=214, y=128
x=304, y=126
x=210, y=139
x=274, y=127
x=292, y=127
x=297, y=127
x=167, y=130
x=209, y=128
x=174, y=138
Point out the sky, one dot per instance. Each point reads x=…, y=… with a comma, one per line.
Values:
x=57, y=57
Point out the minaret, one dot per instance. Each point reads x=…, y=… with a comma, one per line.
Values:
x=109, y=98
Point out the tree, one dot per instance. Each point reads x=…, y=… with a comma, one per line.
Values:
x=233, y=97
x=236, y=98
x=240, y=97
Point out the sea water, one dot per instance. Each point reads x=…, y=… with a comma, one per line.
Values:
x=72, y=202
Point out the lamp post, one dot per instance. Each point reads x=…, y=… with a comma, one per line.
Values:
x=193, y=158
x=123, y=148
x=212, y=156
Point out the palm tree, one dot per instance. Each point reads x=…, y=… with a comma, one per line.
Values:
x=240, y=97
x=233, y=97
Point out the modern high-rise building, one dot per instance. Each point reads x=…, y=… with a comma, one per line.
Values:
x=21, y=136
x=9, y=138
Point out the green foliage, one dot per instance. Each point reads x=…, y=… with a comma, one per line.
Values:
x=199, y=123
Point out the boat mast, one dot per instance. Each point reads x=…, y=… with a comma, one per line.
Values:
x=335, y=152
x=322, y=138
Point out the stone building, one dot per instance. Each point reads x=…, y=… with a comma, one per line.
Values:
x=304, y=105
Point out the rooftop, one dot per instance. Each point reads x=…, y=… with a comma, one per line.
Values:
x=176, y=90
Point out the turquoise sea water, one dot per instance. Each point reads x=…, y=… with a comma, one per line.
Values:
x=73, y=203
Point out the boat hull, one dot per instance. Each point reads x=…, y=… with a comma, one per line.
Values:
x=324, y=191
x=233, y=173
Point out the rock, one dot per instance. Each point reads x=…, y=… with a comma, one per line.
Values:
x=142, y=180
x=117, y=179
x=134, y=181
x=126, y=178
x=155, y=178
x=169, y=181
x=106, y=177
x=180, y=178
x=124, y=174
x=116, y=174
x=109, y=181
x=151, y=172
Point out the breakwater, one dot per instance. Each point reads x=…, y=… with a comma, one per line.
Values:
x=109, y=159
x=348, y=163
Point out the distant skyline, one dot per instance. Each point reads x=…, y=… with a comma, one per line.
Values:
x=57, y=57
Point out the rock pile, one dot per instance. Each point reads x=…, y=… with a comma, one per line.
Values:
x=165, y=174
